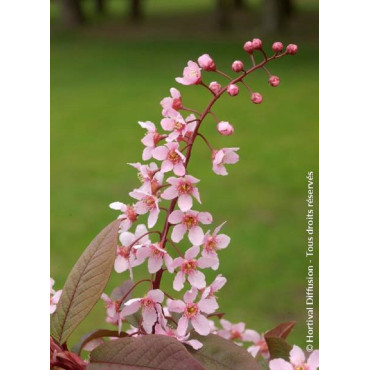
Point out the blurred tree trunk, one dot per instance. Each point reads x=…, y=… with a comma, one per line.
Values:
x=276, y=13
x=100, y=6
x=136, y=10
x=239, y=4
x=72, y=14
x=224, y=14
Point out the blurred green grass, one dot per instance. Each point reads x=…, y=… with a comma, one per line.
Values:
x=102, y=85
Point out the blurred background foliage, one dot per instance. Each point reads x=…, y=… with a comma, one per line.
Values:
x=112, y=62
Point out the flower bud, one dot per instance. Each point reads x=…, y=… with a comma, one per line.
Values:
x=257, y=44
x=292, y=49
x=256, y=98
x=232, y=90
x=277, y=47
x=225, y=128
x=248, y=47
x=237, y=66
x=215, y=87
x=274, y=81
x=206, y=62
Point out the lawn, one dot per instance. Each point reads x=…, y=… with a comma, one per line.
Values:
x=104, y=80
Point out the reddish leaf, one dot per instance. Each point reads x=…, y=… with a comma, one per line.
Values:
x=282, y=330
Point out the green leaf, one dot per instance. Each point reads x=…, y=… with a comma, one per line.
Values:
x=85, y=283
x=278, y=348
x=157, y=352
x=282, y=330
x=220, y=354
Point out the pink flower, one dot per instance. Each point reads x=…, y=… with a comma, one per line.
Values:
x=156, y=256
x=171, y=104
x=256, y=98
x=233, y=90
x=177, y=125
x=292, y=49
x=237, y=66
x=188, y=221
x=172, y=158
x=183, y=188
x=54, y=296
x=277, y=47
x=274, y=81
x=225, y=128
x=222, y=157
x=150, y=140
x=150, y=176
x=209, y=292
x=257, y=43
x=207, y=63
x=192, y=312
x=112, y=311
x=191, y=74
x=126, y=252
x=146, y=203
x=297, y=361
x=149, y=305
x=128, y=216
x=232, y=331
x=215, y=87
x=249, y=47
x=260, y=346
x=189, y=268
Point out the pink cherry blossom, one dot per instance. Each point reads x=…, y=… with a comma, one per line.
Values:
x=172, y=158
x=260, y=346
x=156, y=256
x=54, y=296
x=232, y=331
x=189, y=221
x=209, y=293
x=128, y=216
x=189, y=269
x=225, y=128
x=297, y=361
x=207, y=63
x=222, y=157
x=112, y=311
x=213, y=243
x=171, y=104
x=183, y=188
x=150, y=140
x=126, y=252
x=177, y=125
x=146, y=203
x=149, y=304
x=150, y=176
x=192, y=312
x=191, y=75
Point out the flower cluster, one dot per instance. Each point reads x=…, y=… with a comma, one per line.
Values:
x=54, y=296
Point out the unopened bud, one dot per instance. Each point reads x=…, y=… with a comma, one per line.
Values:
x=256, y=98
x=292, y=49
x=274, y=81
x=257, y=43
x=225, y=128
x=237, y=66
x=277, y=47
x=248, y=47
x=215, y=87
x=206, y=62
x=232, y=90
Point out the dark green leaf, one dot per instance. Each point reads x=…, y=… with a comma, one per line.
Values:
x=85, y=283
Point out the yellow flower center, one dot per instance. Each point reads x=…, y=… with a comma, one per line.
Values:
x=190, y=221
x=184, y=188
x=173, y=156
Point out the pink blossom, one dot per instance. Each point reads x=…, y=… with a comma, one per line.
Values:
x=209, y=293
x=172, y=158
x=126, y=252
x=256, y=98
x=260, y=346
x=225, y=128
x=156, y=256
x=274, y=81
x=257, y=43
x=222, y=157
x=277, y=47
x=150, y=140
x=189, y=221
x=292, y=49
x=232, y=331
x=171, y=104
x=112, y=311
x=177, y=125
x=192, y=312
x=191, y=75
x=237, y=66
x=183, y=188
x=150, y=176
x=249, y=47
x=149, y=304
x=213, y=243
x=215, y=87
x=128, y=216
x=146, y=203
x=189, y=268
x=233, y=90
x=297, y=361
x=207, y=63
x=54, y=296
